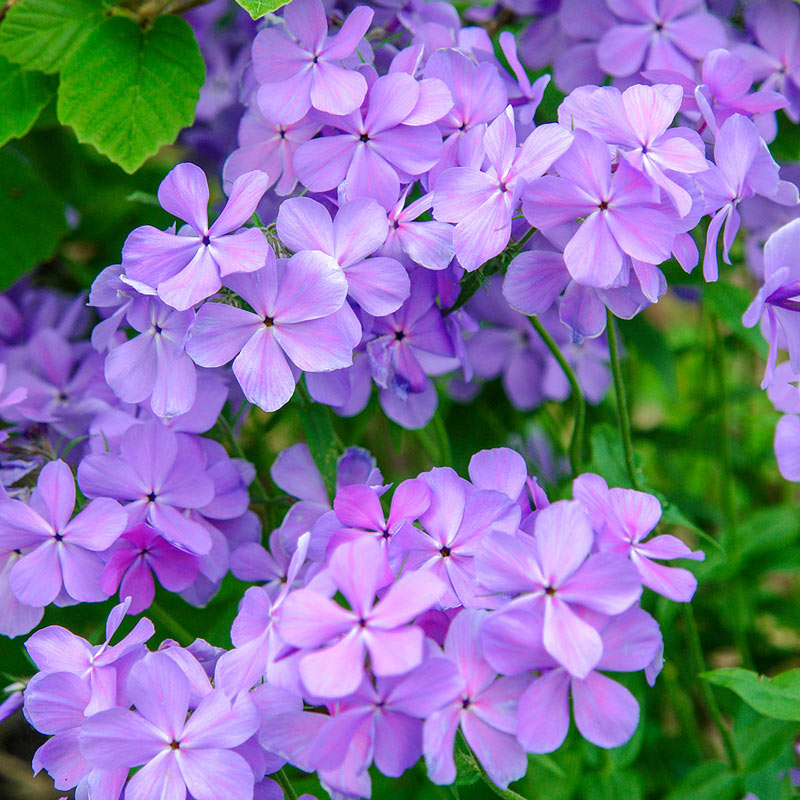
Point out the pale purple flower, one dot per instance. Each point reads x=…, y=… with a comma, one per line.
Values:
x=61, y=559
x=622, y=518
x=15, y=618
x=302, y=71
x=554, y=571
x=787, y=446
x=187, y=267
x=379, y=285
x=378, y=149
x=486, y=712
x=620, y=211
x=310, y=620
x=482, y=203
x=157, y=476
x=299, y=321
x=175, y=753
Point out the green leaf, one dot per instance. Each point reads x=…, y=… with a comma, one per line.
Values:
x=258, y=8
x=31, y=218
x=44, y=34
x=23, y=95
x=761, y=741
x=608, y=459
x=466, y=771
x=777, y=697
x=128, y=91
x=728, y=303
x=712, y=780
x=323, y=443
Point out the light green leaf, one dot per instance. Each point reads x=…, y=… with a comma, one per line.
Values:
x=44, y=34
x=777, y=697
x=728, y=303
x=31, y=219
x=258, y=8
x=23, y=95
x=711, y=780
x=322, y=441
x=128, y=92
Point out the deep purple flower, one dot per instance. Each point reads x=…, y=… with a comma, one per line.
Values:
x=187, y=267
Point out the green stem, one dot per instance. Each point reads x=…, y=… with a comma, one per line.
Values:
x=183, y=636
x=699, y=666
x=623, y=413
x=576, y=443
x=286, y=784
x=507, y=794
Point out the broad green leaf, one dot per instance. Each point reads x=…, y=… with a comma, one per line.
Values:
x=777, y=697
x=760, y=740
x=128, y=92
x=44, y=34
x=31, y=218
x=608, y=458
x=728, y=303
x=23, y=94
x=466, y=771
x=258, y=8
x=322, y=441
x=711, y=780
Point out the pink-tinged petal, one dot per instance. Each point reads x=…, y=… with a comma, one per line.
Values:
x=512, y=639
x=563, y=538
x=406, y=599
x=379, y=285
x=55, y=702
x=575, y=644
x=426, y=689
x=497, y=705
x=219, y=722
x=434, y=102
x=15, y=618
x=710, y=264
x=317, y=345
x=105, y=475
x=152, y=450
x=463, y=647
x=673, y=582
x=604, y=582
x=411, y=149
x=311, y=287
x=244, y=251
x=335, y=671
x=350, y=34
x=219, y=333
x=627, y=226
x=548, y=202
x=137, y=584
x=286, y=102
x=371, y=176
x=501, y=469
x=411, y=500
x=429, y=244
x=120, y=738
x=592, y=255
x=544, y=713
x=184, y=194
x=36, y=578
x=698, y=34
x=321, y=164
x=81, y=570
x=276, y=58
x=160, y=778
x=21, y=526
x=61, y=757
x=534, y=280
x=391, y=99
x=186, y=486
x=175, y=387
x=508, y=564
x=448, y=496
x=360, y=228
x=542, y=147
x=151, y=256
x=636, y=512
x=55, y=649
x=622, y=49
x=499, y=753
x=178, y=529
x=199, y=279
x=130, y=369
x=245, y=194
x=484, y=511
x=500, y=142
x=307, y=22
x=331, y=745
x=398, y=743
x=484, y=232
x=668, y=547
x=438, y=737
x=394, y=652
x=459, y=191
x=263, y=373
x=606, y=713
x=54, y=495
x=309, y=619
x=305, y=224
x=587, y=164
x=630, y=641
x=354, y=568
x=98, y=526
x=358, y=506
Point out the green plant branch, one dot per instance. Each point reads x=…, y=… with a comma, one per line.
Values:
x=286, y=784
x=507, y=794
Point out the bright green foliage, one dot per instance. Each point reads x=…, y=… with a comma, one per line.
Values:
x=128, y=92
x=777, y=697
x=45, y=34
x=258, y=8
x=31, y=219
x=23, y=95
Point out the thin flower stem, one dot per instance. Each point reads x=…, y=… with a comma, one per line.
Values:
x=623, y=413
x=183, y=636
x=507, y=794
x=286, y=784
x=699, y=666
x=576, y=443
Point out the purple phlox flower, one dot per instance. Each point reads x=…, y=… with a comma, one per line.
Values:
x=302, y=71
x=553, y=570
x=427, y=243
x=787, y=446
x=622, y=518
x=175, y=753
x=299, y=321
x=346, y=390
x=743, y=167
x=13, y=397
x=776, y=61
x=269, y=147
x=482, y=203
x=253, y=563
x=620, y=211
x=458, y=518
x=357, y=513
x=502, y=469
x=256, y=637
x=112, y=297
x=479, y=96
x=378, y=149
x=231, y=477
x=102, y=668
x=310, y=620
x=379, y=285
x=15, y=618
x=486, y=712
x=659, y=34
x=416, y=15
x=12, y=701
x=157, y=476
x=61, y=558
x=187, y=267
x=390, y=714
x=780, y=298
x=784, y=392
x=606, y=713
x=637, y=121
x=524, y=96
x=139, y=553
x=153, y=365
